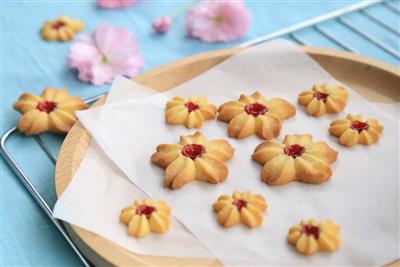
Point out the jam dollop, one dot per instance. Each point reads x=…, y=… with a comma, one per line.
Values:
x=294, y=150
x=311, y=230
x=46, y=106
x=255, y=109
x=321, y=96
x=359, y=126
x=145, y=210
x=193, y=150
x=57, y=25
x=239, y=203
x=191, y=106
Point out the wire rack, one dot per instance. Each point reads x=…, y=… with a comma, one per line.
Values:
x=292, y=32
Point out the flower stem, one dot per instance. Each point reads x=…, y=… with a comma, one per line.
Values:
x=182, y=9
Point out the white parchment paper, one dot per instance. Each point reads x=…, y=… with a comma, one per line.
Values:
x=99, y=190
x=362, y=195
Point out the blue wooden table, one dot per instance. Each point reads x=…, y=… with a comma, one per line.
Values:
x=30, y=64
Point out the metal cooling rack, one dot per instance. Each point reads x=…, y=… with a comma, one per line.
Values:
x=292, y=32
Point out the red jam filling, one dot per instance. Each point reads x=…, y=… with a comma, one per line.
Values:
x=191, y=106
x=46, y=106
x=255, y=109
x=359, y=126
x=321, y=96
x=311, y=230
x=57, y=25
x=294, y=150
x=239, y=203
x=193, y=150
x=145, y=210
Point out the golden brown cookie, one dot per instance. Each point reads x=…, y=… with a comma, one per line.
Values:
x=145, y=216
x=240, y=207
x=191, y=113
x=312, y=236
x=354, y=129
x=194, y=158
x=322, y=99
x=255, y=114
x=52, y=111
x=61, y=29
x=297, y=158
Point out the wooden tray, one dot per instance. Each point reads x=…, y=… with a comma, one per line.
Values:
x=375, y=80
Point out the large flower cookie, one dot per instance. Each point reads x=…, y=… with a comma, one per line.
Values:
x=191, y=113
x=52, y=111
x=194, y=158
x=145, y=216
x=354, y=129
x=312, y=236
x=297, y=158
x=255, y=114
x=322, y=99
x=61, y=29
x=240, y=207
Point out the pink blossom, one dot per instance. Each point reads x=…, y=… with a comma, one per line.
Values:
x=105, y=53
x=217, y=21
x=111, y=4
x=161, y=24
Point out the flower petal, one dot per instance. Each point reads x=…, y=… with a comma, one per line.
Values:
x=242, y=126
x=280, y=107
x=101, y=74
x=349, y=137
x=230, y=110
x=311, y=169
x=180, y=172
x=211, y=169
x=196, y=138
x=279, y=170
x=268, y=126
x=321, y=150
x=267, y=151
x=220, y=149
x=229, y=216
x=166, y=153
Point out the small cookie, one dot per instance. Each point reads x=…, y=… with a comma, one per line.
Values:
x=322, y=99
x=297, y=158
x=52, y=111
x=312, y=236
x=354, y=129
x=61, y=29
x=145, y=216
x=240, y=207
x=191, y=113
x=194, y=158
x=255, y=114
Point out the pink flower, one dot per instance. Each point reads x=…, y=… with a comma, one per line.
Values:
x=161, y=24
x=105, y=53
x=217, y=21
x=114, y=3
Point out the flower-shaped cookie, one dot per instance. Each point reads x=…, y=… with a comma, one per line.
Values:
x=145, y=216
x=255, y=114
x=354, y=129
x=313, y=236
x=194, y=158
x=191, y=113
x=322, y=99
x=240, y=207
x=53, y=111
x=297, y=158
x=61, y=29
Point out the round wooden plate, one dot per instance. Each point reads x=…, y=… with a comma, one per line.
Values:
x=375, y=80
